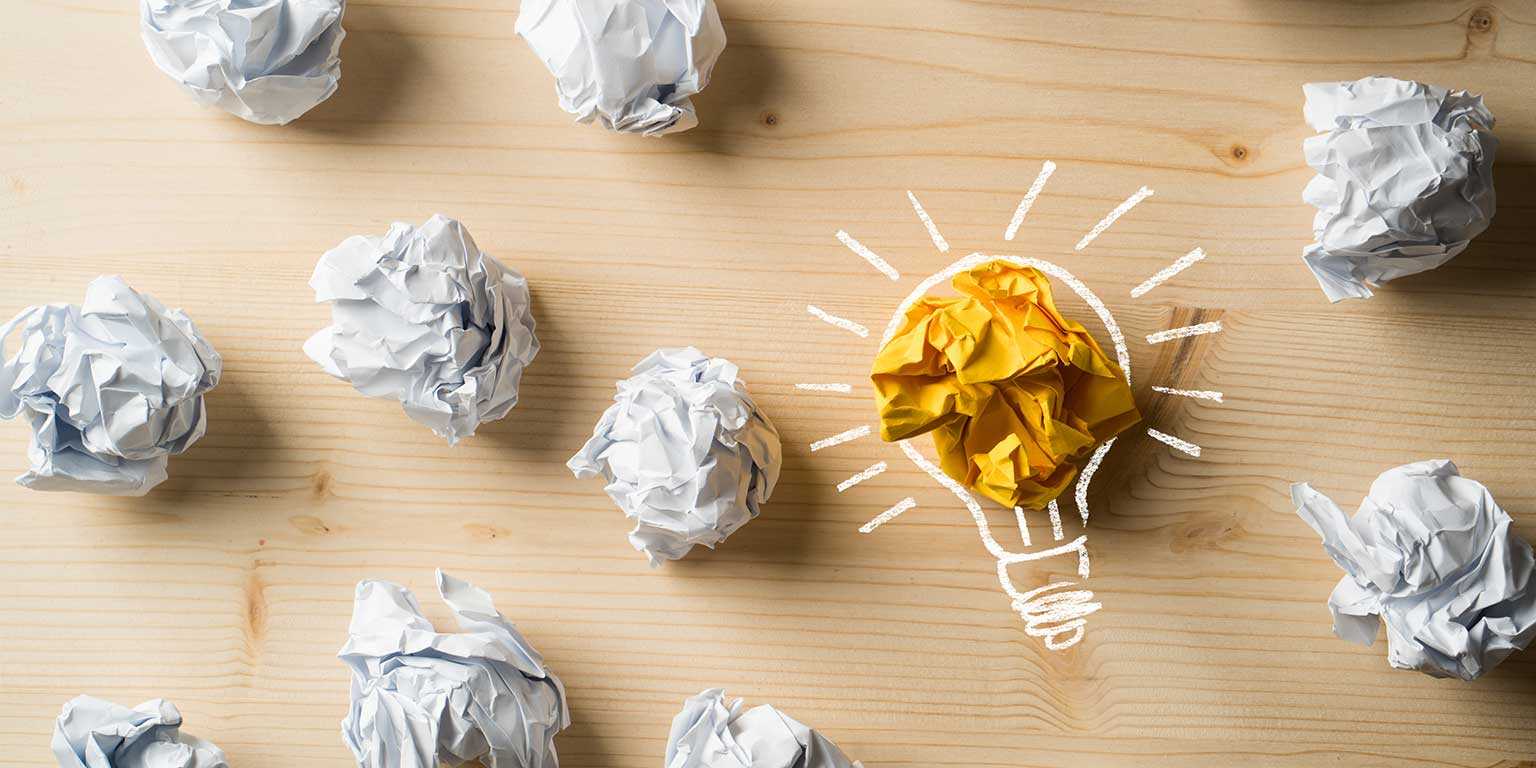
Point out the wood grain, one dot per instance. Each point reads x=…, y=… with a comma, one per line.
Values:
x=228, y=589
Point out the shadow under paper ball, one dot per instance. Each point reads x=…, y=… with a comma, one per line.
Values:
x=738, y=102
x=381, y=72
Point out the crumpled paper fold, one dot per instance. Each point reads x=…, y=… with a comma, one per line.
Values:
x=421, y=698
x=111, y=389
x=686, y=453
x=1404, y=180
x=92, y=733
x=709, y=733
x=629, y=65
x=426, y=317
x=1432, y=554
x=268, y=61
x=1016, y=395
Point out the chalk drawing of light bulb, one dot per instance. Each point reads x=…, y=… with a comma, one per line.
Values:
x=1055, y=612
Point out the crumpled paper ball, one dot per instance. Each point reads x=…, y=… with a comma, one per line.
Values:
x=686, y=453
x=1404, y=180
x=1432, y=554
x=708, y=733
x=268, y=61
x=111, y=389
x=92, y=733
x=1016, y=395
x=630, y=65
x=426, y=317
x=424, y=698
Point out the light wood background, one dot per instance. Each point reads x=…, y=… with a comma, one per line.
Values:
x=228, y=589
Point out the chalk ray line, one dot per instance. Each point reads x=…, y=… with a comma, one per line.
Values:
x=874, y=470
x=844, y=388
x=868, y=255
x=834, y=320
x=1184, y=332
x=1018, y=514
x=1174, y=442
x=840, y=438
x=1046, y=169
x=933, y=230
x=1055, y=512
x=1113, y=216
x=1198, y=394
x=888, y=515
x=1185, y=262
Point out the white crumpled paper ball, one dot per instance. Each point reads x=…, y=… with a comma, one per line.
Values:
x=268, y=61
x=628, y=64
x=111, y=389
x=686, y=453
x=424, y=698
x=708, y=733
x=1432, y=554
x=426, y=317
x=1405, y=180
x=92, y=733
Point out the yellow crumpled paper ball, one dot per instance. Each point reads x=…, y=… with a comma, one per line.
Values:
x=1016, y=396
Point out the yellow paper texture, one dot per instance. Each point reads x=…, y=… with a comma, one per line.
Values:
x=1017, y=397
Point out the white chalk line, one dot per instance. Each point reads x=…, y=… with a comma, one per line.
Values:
x=840, y=438
x=1055, y=610
x=888, y=515
x=1174, y=442
x=844, y=388
x=1055, y=512
x=868, y=255
x=1120, y=210
x=1078, y=544
x=1198, y=394
x=1018, y=514
x=847, y=325
x=933, y=230
x=1185, y=262
x=1085, y=477
x=1184, y=332
x=1046, y=169
x=874, y=470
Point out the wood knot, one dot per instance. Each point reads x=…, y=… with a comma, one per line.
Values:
x=1481, y=21
x=310, y=525
x=769, y=119
x=320, y=484
x=255, y=610
x=1234, y=154
x=487, y=532
x=1209, y=533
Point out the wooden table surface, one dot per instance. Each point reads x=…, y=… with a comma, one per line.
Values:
x=228, y=589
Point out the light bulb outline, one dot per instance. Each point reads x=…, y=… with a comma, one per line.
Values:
x=1055, y=612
